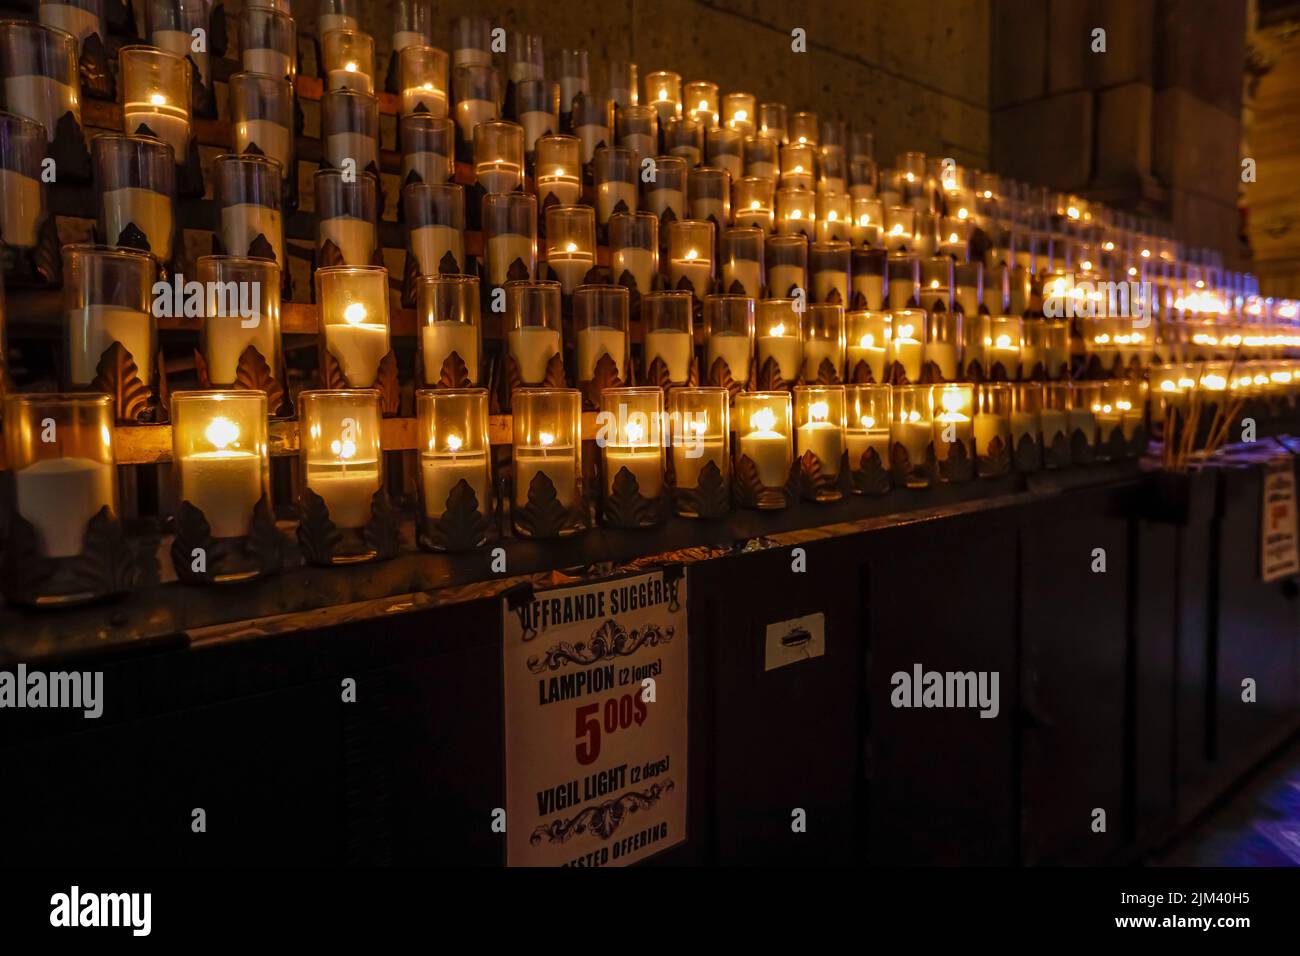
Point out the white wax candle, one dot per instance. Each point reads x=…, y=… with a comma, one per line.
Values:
x=1082, y=419
x=21, y=208
x=770, y=452
x=564, y=186
x=689, y=460
x=570, y=87
x=244, y=222
x=554, y=461
x=225, y=339
x=41, y=98
x=815, y=351
x=859, y=441
x=225, y=486
x=745, y=271
x=872, y=288
x=71, y=18
x=181, y=42
x=504, y=250
x=169, y=127
x=1024, y=425
x=865, y=350
x=944, y=355
x=826, y=441
x=591, y=135
x=595, y=341
x=536, y=123
x=915, y=437
x=499, y=177
x=358, y=347
x=571, y=267
x=730, y=162
x=932, y=297
x=781, y=279
x=969, y=300
x=643, y=144
x=645, y=464
x=431, y=243
x=749, y=216
x=1008, y=357
x=358, y=147
x=469, y=113
x=344, y=79
x=786, y=349
x=355, y=238
x=271, y=138
x=59, y=496
x=734, y=349
x=831, y=279
x=433, y=101
x=704, y=207
x=1053, y=422
x=900, y=293
x=268, y=61
x=658, y=201
x=638, y=261
x=430, y=167
x=610, y=194
x=698, y=271
x=91, y=330
x=441, y=473
x=674, y=347
x=471, y=56
x=907, y=353
x=347, y=489
x=987, y=427
x=326, y=22
x=440, y=339
x=150, y=211
x=404, y=38
x=532, y=347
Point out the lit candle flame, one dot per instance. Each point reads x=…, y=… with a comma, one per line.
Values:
x=832, y=216
x=740, y=116
x=635, y=432
x=221, y=431
x=905, y=331
x=864, y=219
x=343, y=450
x=1004, y=342
x=867, y=341
x=867, y=421
x=691, y=255
x=763, y=420
x=818, y=411
x=157, y=99
x=755, y=204
x=454, y=442
x=546, y=438
x=354, y=314
x=962, y=213
x=350, y=66
x=796, y=213
x=778, y=329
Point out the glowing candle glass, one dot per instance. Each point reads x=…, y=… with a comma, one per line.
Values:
x=22, y=155
x=600, y=318
x=347, y=213
x=868, y=278
x=341, y=460
x=570, y=244
x=912, y=427
x=804, y=128
x=936, y=283
x=823, y=343
x=904, y=273
x=1054, y=424
x=435, y=223
x=108, y=294
x=547, y=448
x=724, y=149
x=593, y=122
x=219, y=457
x=787, y=265
x=478, y=97
x=953, y=407
x=900, y=228
x=819, y=431
x=633, y=440
x=135, y=184
x=969, y=296
x=41, y=77
x=499, y=156
x=796, y=211
x=755, y=202
x=740, y=112
x=350, y=128
x=663, y=92
x=943, y=343
x=268, y=42
x=779, y=337
x=684, y=137
x=614, y=170
x=772, y=122
x=995, y=342
x=243, y=311
x=798, y=166
x=666, y=317
x=729, y=338
x=832, y=170
x=668, y=191
x=762, y=157
x=156, y=96
x=537, y=104
x=741, y=250
x=534, y=323
x=453, y=435
x=634, y=248
x=354, y=319
x=907, y=341
x=447, y=314
x=992, y=424
x=834, y=217
x=1081, y=419
x=422, y=78
x=509, y=235
x=559, y=165
x=700, y=102
x=868, y=335
x=1027, y=404
x=708, y=192
x=348, y=59
x=690, y=255
x=867, y=424
x=763, y=435
x=700, y=426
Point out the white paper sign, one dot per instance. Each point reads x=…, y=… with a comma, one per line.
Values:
x=595, y=713
x=1278, y=555
x=800, y=639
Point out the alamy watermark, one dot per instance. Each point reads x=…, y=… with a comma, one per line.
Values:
x=952, y=689
x=74, y=690
x=178, y=298
x=1065, y=297
x=624, y=427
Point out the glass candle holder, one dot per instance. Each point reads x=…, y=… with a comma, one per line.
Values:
x=684, y=138
x=526, y=57
x=819, y=412
x=547, y=456
x=663, y=92
x=413, y=23
x=59, y=486
x=342, y=463
x=936, y=283
x=510, y=236
x=741, y=250
x=623, y=83
x=867, y=418
x=911, y=432
x=636, y=128
x=740, y=112
x=954, y=238
x=615, y=172
x=900, y=228
x=347, y=210
x=1081, y=420
x=833, y=170
x=337, y=15
x=779, y=340
x=171, y=26
x=772, y=122
x=574, y=76
x=434, y=214
x=993, y=428
x=634, y=249
x=868, y=278
x=755, y=202
x=478, y=97
x=533, y=321
x=763, y=435
x=348, y=59
x=108, y=294
x=907, y=342
x=863, y=177
x=669, y=340
x=700, y=426
x=953, y=406
x=943, y=343
x=499, y=156
x=422, y=78
x=243, y=312
x=135, y=181
x=996, y=343
x=537, y=103
x=927, y=234
x=724, y=149
x=593, y=122
x=268, y=42
x=1027, y=403
x=798, y=166
x=570, y=244
x=823, y=343
x=471, y=41
x=600, y=320
x=690, y=256
x=22, y=154
x=350, y=128
x=219, y=458
x=451, y=334
x=904, y=280
x=354, y=320
x=762, y=158
x=700, y=102
x=804, y=128
x=668, y=191
x=729, y=340
x=834, y=217
x=632, y=445
x=261, y=115
x=867, y=336
x=41, y=78
x=1054, y=424
x=1118, y=416
x=156, y=96
x=81, y=18
x=969, y=296
x=709, y=195
x=828, y=262
x=787, y=265
x=559, y=169
x=455, y=465
x=796, y=212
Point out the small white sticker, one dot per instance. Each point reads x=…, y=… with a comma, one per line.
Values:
x=801, y=639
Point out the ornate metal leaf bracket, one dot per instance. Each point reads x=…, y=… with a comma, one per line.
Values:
x=626, y=507
x=871, y=476
x=118, y=376
x=105, y=567
x=711, y=496
x=995, y=462
x=748, y=490
x=462, y=526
